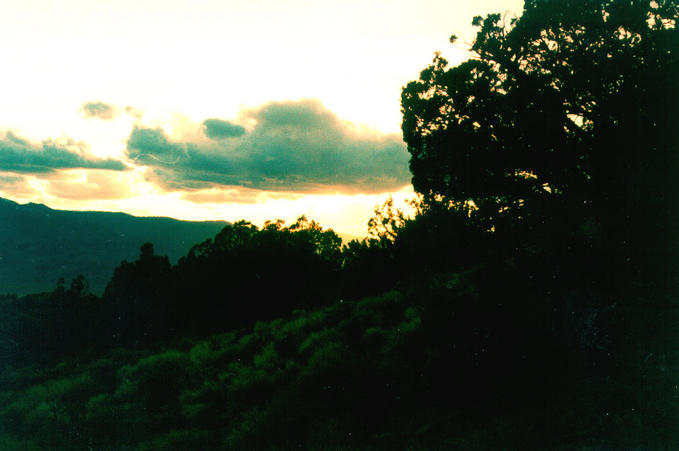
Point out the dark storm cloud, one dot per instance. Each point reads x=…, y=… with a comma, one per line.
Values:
x=99, y=110
x=294, y=146
x=22, y=156
x=219, y=129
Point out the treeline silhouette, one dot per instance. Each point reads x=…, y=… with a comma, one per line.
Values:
x=528, y=303
x=242, y=275
x=433, y=332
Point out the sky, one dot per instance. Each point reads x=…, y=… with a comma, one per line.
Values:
x=228, y=110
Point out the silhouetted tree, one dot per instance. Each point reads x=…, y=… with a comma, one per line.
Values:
x=561, y=132
x=138, y=298
x=575, y=98
x=436, y=237
x=246, y=274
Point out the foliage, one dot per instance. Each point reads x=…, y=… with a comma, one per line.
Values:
x=245, y=274
x=386, y=222
x=561, y=132
x=572, y=99
x=561, y=125
x=444, y=362
x=137, y=298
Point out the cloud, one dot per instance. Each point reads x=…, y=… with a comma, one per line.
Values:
x=16, y=186
x=99, y=110
x=10, y=180
x=220, y=129
x=20, y=155
x=237, y=195
x=294, y=146
x=134, y=112
x=107, y=111
x=96, y=185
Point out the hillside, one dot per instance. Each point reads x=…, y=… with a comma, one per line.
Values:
x=39, y=245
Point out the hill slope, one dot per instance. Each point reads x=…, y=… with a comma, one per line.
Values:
x=39, y=245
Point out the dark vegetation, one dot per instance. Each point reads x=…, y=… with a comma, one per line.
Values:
x=530, y=303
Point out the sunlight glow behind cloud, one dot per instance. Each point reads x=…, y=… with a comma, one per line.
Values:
x=293, y=146
x=172, y=64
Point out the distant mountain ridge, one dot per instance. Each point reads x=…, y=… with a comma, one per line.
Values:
x=39, y=245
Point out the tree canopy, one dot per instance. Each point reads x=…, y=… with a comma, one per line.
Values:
x=574, y=101
x=561, y=134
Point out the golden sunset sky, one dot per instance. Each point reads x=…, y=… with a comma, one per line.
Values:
x=227, y=110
